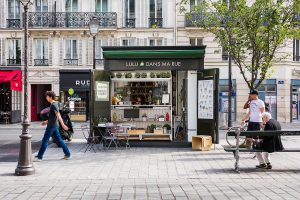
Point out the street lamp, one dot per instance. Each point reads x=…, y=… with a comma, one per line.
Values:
x=94, y=27
x=25, y=166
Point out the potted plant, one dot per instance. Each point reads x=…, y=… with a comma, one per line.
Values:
x=112, y=75
x=119, y=75
x=152, y=75
x=152, y=127
x=163, y=75
x=168, y=75
x=167, y=128
x=144, y=117
x=137, y=75
x=144, y=75
x=155, y=100
x=128, y=75
x=158, y=75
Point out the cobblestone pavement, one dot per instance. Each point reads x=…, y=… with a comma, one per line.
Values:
x=153, y=173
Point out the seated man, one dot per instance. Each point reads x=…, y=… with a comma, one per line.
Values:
x=269, y=143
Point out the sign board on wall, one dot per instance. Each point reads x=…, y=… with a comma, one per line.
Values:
x=102, y=91
x=205, y=99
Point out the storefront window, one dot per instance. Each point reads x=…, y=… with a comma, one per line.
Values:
x=267, y=92
x=223, y=101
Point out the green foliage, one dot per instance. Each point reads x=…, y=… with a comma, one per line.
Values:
x=252, y=33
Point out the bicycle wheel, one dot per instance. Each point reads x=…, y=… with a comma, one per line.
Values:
x=231, y=140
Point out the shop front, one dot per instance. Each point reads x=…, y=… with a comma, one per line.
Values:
x=10, y=95
x=161, y=93
x=74, y=92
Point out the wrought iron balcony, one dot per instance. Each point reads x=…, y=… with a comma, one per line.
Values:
x=13, y=23
x=130, y=23
x=155, y=22
x=71, y=62
x=14, y=61
x=70, y=19
x=41, y=62
x=192, y=18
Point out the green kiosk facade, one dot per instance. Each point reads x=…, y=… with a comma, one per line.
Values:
x=161, y=93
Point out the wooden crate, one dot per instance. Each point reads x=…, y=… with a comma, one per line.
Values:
x=201, y=142
x=136, y=132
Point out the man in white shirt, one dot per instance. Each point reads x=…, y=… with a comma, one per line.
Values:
x=256, y=108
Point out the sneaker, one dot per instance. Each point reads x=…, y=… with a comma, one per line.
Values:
x=269, y=166
x=66, y=158
x=261, y=166
x=36, y=159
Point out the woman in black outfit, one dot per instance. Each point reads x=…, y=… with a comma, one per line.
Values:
x=269, y=143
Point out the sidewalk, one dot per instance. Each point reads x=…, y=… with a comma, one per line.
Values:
x=35, y=125
x=153, y=173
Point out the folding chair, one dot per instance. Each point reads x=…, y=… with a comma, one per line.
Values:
x=110, y=137
x=91, y=140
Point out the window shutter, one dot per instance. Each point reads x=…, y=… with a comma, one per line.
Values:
x=50, y=41
x=30, y=42
x=3, y=51
x=90, y=51
x=79, y=51
x=62, y=49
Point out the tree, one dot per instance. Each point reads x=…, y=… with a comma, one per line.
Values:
x=251, y=32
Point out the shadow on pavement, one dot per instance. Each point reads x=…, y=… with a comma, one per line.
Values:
x=10, y=152
x=248, y=170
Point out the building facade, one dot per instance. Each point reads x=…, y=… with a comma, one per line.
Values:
x=60, y=43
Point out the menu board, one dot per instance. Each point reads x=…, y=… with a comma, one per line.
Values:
x=205, y=99
x=102, y=91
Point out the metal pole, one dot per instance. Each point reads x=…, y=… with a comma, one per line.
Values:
x=92, y=88
x=25, y=166
x=229, y=87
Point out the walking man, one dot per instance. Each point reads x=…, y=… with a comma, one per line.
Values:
x=256, y=108
x=52, y=128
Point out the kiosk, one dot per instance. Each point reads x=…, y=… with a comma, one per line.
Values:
x=164, y=92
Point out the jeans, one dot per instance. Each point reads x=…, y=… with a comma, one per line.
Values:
x=48, y=133
x=263, y=157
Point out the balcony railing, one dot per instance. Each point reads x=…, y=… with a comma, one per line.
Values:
x=130, y=23
x=41, y=62
x=71, y=62
x=192, y=18
x=70, y=19
x=155, y=22
x=14, y=61
x=13, y=23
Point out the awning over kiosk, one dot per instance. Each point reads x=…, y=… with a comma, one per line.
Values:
x=155, y=58
x=14, y=77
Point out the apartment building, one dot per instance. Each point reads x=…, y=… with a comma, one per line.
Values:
x=60, y=50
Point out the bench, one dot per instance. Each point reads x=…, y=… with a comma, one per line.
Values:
x=236, y=150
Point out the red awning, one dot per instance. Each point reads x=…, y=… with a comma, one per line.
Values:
x=14, y=77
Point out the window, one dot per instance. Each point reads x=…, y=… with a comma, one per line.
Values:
x=296, y=50
x=101, y=6
x=71, y=5
x=13, y=9
x=41, y=5
x=128, y=42
x=129, y=8
x=14, y=51
x=194, y=3
x=41, y=52
x=155, y=8
x=71, y=49
x=196, y=41
x=155, y=42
